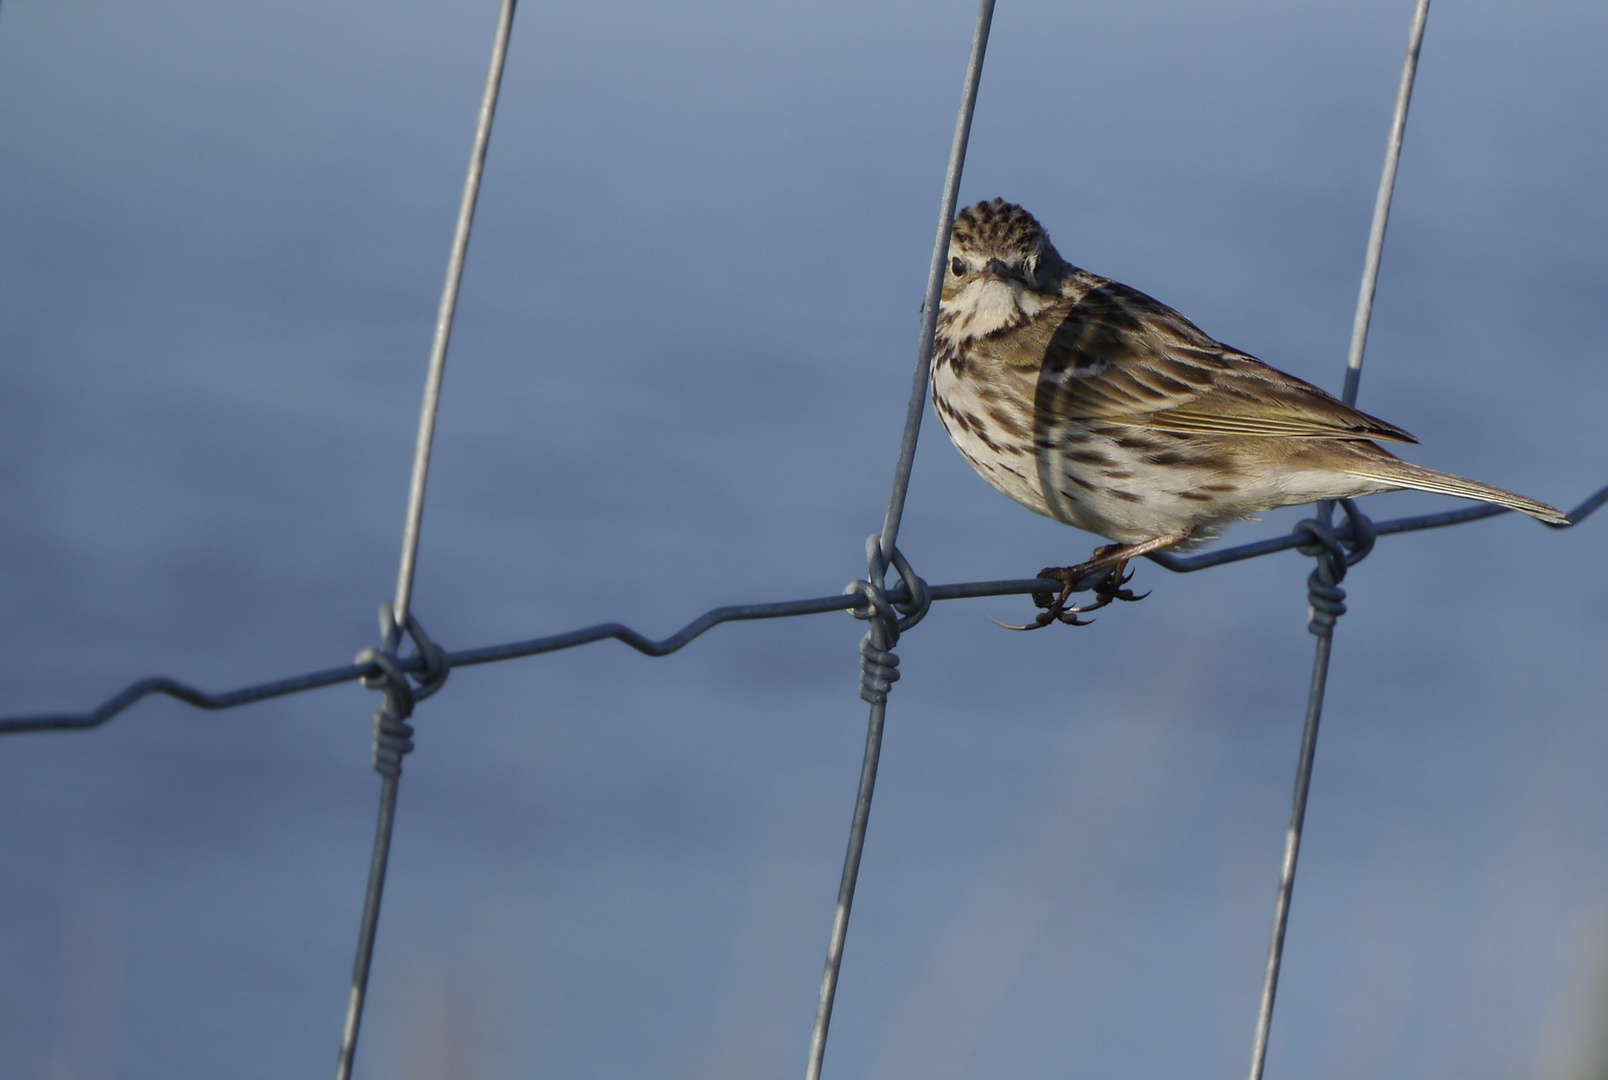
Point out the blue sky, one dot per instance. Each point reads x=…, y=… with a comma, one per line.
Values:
x=682, y=354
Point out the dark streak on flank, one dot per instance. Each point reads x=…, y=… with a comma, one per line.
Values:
x=1006, y=422
x=1080, y=482
x=1136, y=443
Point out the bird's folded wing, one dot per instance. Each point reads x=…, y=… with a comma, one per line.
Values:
x=1120, y=357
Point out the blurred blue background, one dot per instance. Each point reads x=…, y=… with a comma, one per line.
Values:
x=681, y=360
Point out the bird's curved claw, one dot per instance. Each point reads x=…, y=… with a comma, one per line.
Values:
x=1056, y=608
x=1069, y=616
x=1039, y=621
x=1106, y=590
x=1111, y=588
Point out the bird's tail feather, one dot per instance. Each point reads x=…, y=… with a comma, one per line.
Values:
x=1405, y=474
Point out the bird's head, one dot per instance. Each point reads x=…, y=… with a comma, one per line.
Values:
x=1002, y=270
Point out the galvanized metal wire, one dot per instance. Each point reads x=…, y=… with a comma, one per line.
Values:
x=445, y=312
x=878, y=664
x=404, y=680
x=1324, y=595
x=164, y=686
x=1381, y=214
x=392, y=734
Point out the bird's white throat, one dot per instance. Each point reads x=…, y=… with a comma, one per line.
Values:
x=989, y=306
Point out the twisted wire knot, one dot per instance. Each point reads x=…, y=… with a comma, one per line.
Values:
x=879, y=670
x=393, y=735
x=393, y=739
x=888, y=618
x=1336, y=551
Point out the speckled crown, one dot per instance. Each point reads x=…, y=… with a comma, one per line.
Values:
x=998, y=229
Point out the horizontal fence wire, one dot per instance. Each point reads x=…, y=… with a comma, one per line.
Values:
x=488, y=654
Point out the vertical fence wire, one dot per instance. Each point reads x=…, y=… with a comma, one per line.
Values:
x=1322, y=627
x=1381, y=214
x=392, y=732
x=845, y=899
x=935, y=279
x=884, y=552
x=367, y=927
x=444, y=315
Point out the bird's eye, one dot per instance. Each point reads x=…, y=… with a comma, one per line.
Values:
x=957, y=265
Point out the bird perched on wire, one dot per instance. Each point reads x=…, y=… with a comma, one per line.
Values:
x=1094, y=404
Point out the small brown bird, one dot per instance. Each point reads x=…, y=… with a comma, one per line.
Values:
x=1094, y=404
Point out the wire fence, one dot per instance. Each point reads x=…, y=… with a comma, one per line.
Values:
x=890, y=610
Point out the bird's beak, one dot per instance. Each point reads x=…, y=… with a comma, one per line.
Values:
x=997, y=268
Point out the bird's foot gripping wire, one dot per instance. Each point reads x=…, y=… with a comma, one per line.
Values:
x=393, y=735
x=879, y=667
x=1106, y=584
x=1105, y=574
